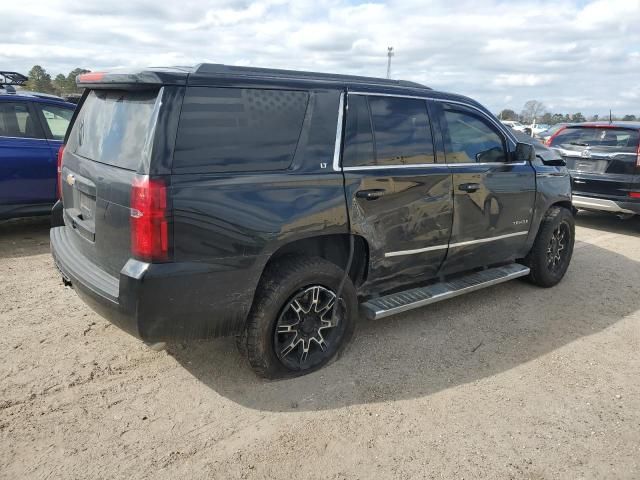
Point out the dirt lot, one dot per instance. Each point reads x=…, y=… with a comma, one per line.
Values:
x=510, y=382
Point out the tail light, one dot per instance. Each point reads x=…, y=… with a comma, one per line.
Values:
x=552, y=137
x=634, y=194
x=59, y=170
x=638, y=154
x=149, y=223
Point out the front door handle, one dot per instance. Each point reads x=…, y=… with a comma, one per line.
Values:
x=469, y=187
x=372, y=194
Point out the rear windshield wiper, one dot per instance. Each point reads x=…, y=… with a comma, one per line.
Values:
x=579, y=144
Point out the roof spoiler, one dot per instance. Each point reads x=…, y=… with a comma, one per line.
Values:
x=132, y=80
x=115, y=80
x=12, y=78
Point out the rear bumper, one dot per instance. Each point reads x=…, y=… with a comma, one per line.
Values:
x=160, y=302
x=606, y=204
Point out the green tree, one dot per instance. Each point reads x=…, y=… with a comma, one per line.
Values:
x=578, y=118
x=557, y=118
x=60, y=84
x=546, y=118
x=629, y=118
x=39, y=80
x=71, y=79
x=508, y=114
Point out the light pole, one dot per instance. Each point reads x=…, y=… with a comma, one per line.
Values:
x=389, y=54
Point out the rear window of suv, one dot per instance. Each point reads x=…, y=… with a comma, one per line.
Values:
x=620, y=139
x=114, y=127
x=238, y=129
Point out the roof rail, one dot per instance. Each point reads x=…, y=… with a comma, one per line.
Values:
x=221, y=69
x=12, y=78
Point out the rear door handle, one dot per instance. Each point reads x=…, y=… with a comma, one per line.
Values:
x=469, y=187
x=372, y=194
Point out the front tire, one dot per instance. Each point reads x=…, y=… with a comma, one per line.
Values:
x=551, y=253
x=291, y=329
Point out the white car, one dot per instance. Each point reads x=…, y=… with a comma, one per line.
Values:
x=517, y=126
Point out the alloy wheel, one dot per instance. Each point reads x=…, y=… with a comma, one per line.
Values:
x=306, y=333
x=557, y=251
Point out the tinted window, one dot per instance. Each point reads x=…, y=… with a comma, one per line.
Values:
x=114, y=127
x=17, y=121
x=620, y=139
x=401, y=130
x=471, y=139
x=358, y=139
x=234, y=129
x=57, y=119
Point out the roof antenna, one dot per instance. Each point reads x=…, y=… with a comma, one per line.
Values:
x=610, y=117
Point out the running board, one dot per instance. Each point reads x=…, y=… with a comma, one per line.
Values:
x=419, y=297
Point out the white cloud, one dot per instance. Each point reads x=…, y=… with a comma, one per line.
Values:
x=522, y=79
x=572, y=54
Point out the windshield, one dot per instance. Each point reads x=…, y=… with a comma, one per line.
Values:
x=113, y=127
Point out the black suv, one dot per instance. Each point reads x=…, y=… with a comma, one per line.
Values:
x=216, y=200
x=604, y=162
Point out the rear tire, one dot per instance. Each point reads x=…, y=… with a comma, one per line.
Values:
x=290, y=329
x=551, y=253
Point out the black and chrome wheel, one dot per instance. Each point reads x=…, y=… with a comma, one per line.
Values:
x=556, y=250
x=296, y=324
x=307, y=331
x=551, y=252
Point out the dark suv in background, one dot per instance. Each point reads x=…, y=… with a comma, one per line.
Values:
x=604, y=161
x=277, y=206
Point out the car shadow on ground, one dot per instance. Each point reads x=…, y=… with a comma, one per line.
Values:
x=608, y=222
x=24, y=237
x=447, y=344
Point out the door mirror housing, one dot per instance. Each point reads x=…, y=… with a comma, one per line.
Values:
x=525, y=152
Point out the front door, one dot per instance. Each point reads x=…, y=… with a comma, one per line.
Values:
x=399, y=197
x=27, y=170
x=493, y=197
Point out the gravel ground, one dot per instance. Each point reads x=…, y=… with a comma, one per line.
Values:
x=510, y=382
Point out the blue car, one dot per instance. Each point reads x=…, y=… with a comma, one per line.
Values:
x=32, y=129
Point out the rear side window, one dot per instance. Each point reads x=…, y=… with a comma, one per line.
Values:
x=16, y=121
x=470, y=139
x=114, y=127
x=619, y=139
x=57, y=119
x=387, y=131
x=401, y=131
x=237, y=129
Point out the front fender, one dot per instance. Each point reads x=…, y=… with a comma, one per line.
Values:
x=553, y=187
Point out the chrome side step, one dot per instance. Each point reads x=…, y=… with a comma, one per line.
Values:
x=419, y=297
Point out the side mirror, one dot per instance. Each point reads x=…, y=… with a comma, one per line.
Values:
x=525, y=152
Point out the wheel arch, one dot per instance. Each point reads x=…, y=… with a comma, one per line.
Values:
x=331, y=247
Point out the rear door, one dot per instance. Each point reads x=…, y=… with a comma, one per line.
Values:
x=493, y=198
x=55, y=120
x=110, y=143
x=399, y=197
x=601, y=159
x=27, y=171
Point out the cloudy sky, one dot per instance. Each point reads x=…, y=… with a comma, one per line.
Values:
x=573, y=55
